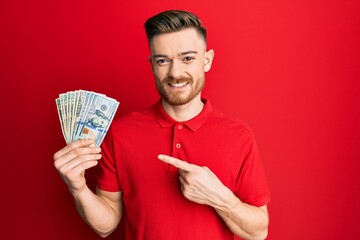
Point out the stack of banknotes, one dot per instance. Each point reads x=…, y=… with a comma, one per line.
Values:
x=85, y=114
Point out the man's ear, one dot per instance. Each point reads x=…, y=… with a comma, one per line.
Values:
x=209, y=56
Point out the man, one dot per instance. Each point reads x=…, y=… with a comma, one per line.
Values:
x=177, y=170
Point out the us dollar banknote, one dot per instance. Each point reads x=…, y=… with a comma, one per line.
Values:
x=85, y=115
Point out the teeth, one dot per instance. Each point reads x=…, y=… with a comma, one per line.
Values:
x=178, y=84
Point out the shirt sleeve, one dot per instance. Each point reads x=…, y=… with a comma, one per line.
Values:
x=107, y=175
x=251, y=185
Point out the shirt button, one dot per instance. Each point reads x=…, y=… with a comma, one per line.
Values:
x=180, y=127
x=178, y=145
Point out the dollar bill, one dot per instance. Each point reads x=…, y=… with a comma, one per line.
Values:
x=63, y=102
x=59, y=108
x=85, y=114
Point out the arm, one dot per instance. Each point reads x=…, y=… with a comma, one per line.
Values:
x=102, y=211
x=244, y=220
x=200, y=185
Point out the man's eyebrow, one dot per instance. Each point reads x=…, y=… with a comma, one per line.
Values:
x=180, y=54
x=159, y=56
x=187, y=52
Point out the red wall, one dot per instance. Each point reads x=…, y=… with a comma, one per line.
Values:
x=290, y=69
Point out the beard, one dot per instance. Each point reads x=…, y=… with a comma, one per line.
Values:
x=179, y=97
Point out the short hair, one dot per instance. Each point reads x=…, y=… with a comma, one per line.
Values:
x=173, y=21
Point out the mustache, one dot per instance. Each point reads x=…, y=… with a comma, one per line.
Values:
x=172, y=80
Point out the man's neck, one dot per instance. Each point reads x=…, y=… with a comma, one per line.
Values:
x=184, y=112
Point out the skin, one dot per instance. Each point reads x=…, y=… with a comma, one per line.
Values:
x=179, y=61
x=180, y=56
x=200, y=185
x=103, y=210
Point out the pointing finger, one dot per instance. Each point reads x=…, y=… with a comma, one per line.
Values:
x=175, y=162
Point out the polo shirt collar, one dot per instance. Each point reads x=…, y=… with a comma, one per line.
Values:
x=193, y=124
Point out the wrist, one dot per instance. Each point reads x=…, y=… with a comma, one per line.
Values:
x=80, y=192
x=228, y=202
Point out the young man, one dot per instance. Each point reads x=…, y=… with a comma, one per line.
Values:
x=177, y=170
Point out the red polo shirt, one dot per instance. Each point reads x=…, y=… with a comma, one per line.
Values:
x=155, y=208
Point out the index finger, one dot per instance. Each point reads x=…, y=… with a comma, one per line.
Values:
x=73, y=145
x=180, y=164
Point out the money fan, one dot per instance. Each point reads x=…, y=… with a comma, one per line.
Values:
x=85, y=114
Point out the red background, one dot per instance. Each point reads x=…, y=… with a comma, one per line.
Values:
x=290, y=69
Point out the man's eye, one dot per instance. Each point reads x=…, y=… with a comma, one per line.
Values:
x=188, y=59
x=161, y=61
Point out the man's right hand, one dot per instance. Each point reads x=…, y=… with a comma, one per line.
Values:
x=72, y=161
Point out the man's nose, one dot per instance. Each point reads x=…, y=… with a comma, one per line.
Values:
x=175, y=70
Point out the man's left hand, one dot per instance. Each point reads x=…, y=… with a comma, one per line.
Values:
x=198, y=184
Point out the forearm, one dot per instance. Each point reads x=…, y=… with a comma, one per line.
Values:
x=99, y=213
x=201, y=185
x=245, y=221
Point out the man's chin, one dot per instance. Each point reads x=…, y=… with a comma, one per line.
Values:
x=176, y=101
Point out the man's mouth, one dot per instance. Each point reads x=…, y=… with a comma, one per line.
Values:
x=178, y=85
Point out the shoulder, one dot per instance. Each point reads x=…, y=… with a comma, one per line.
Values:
x=134, y=118
x=229, y=124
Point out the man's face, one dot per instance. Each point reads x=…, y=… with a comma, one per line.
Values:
x=179, y=61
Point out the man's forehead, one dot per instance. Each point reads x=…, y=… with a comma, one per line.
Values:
x=180, y=41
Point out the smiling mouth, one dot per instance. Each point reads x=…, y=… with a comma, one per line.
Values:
x=178, y=85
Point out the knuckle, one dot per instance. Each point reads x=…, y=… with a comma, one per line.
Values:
x=86, y=165
x=76, y=144
x=95, y=150
x=55, y=156
x=70, y=176
x=56, y=164
x=71, y=146
x=189, y=179
x=81, y=142
x=77, y=151
x=62, y=171
x=186, y=194
x=78, y=158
